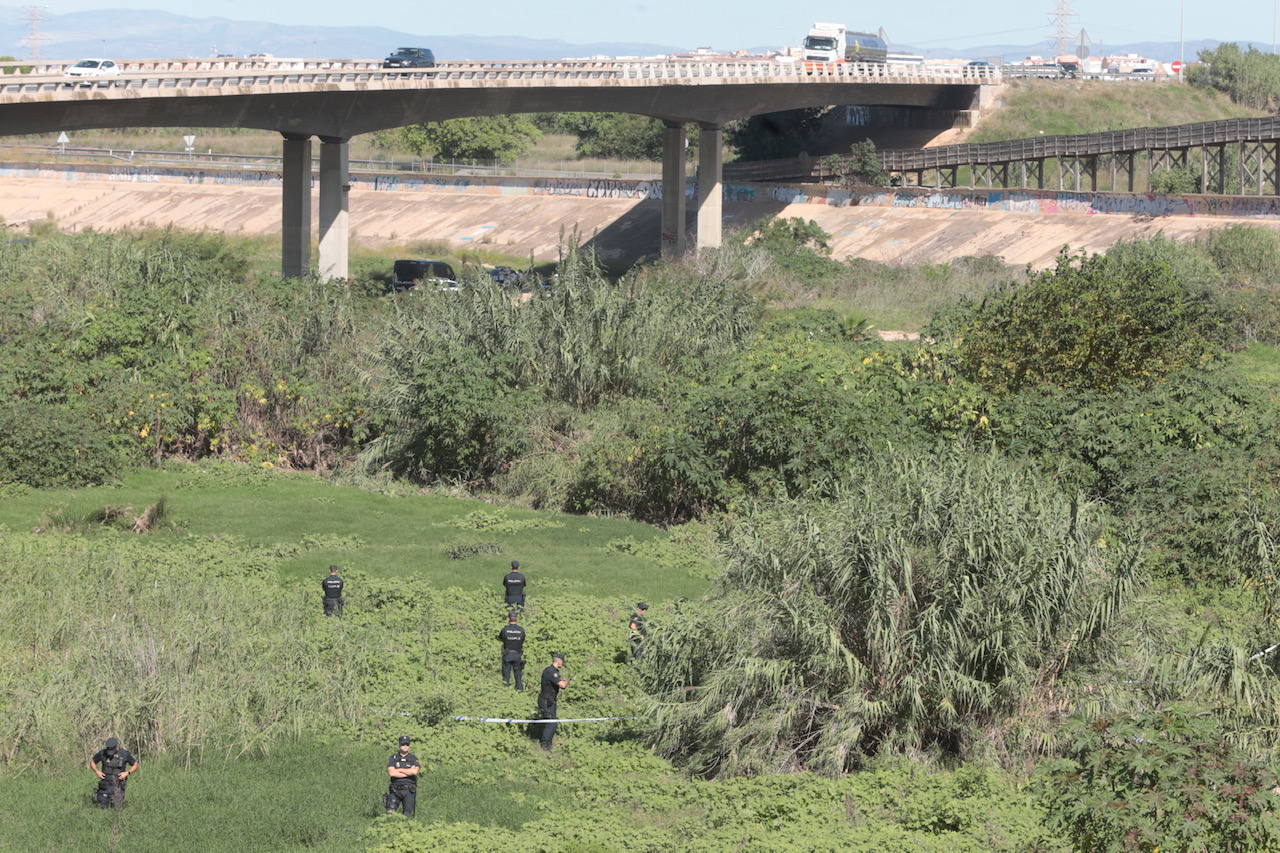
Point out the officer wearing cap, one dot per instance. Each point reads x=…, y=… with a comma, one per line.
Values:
x=402, y=769
x=512, y=638
x=513, y=583
x=553, y=681
x=112, y=765
x=638, y=629
x=333, y=600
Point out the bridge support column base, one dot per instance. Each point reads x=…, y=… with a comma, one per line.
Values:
x=673, y=219
x=710, y=186
x=295, y=218
x=334, y=217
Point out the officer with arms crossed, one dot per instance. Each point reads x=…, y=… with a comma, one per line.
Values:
x=513, y=582
x=402, y=769
x=553, y=681
x=333, y=600
x=512, y=638
x=112, y=765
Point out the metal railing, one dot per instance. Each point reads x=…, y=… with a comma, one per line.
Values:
x=273, y=162
x=365, y=75
x=1177, y=137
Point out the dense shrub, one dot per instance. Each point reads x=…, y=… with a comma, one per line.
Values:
x=798, y=247
x=1135, y=315
x=782, y=418
x=177, y=352
x=1250, y=77
x=929, y=599
x=590, y=339
x=54, y=445
x=1187, y=456
x=450, y=416
x=621, y=136
x=502, y=138
x=1163, y=780
x=1249, y=258
x=1177, y=180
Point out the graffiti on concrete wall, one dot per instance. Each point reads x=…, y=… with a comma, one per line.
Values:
x=1038, y=202
x=598, y=188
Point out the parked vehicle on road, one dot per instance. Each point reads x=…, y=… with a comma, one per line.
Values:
x=508, y=276
x=411, y=274
x=93, y=68
x=410, y=57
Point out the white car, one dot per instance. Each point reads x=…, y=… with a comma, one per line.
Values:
x=93, y=68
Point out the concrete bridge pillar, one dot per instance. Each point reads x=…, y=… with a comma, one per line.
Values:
x=335, y=183
x=295, y=218
x=673, y=225
x=710, y=185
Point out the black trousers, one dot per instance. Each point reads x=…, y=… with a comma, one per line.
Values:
x=513, y=667
x=547, y=712
x=110, y=793
x=333, y=606
x=403, y=799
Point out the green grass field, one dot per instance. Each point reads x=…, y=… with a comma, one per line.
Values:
x=393, y=536
x=178, y=637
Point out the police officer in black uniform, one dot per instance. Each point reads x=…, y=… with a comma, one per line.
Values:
x=553, y=681
x=513, y=582
x=112, y=765
x=403, y=769
x=638, y=629
x=333, y=600
x=512, y=638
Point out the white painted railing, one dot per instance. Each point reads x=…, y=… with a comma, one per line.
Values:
x=261, y=74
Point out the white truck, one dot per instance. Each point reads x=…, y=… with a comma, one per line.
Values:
x=825, y=43
x=834, y=43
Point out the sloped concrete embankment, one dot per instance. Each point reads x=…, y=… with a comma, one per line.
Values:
x=523, y=216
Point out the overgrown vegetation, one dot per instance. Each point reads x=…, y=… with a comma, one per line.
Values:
x=924, y=556
x=913, y=612
x=1249, y=77
x=1035, y=107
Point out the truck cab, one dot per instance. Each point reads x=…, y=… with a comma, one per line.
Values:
x=825, y=43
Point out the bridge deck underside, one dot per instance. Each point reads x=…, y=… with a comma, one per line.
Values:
x=347, y=113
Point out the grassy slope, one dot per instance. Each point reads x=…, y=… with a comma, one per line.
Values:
x=486, y=783
x=1033, y=107
x=397, y=536
x=1260, y=363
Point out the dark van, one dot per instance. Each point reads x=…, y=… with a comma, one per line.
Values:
x=409, y=274
x=410, y=57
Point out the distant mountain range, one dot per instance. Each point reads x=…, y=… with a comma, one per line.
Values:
x=128, y=33
x=1161, y=51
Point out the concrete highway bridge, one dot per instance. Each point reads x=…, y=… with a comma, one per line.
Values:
x=333, y=100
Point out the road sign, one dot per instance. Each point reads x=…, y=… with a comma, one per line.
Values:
x=63, y=139
x=1175, y=66
x=190, y=142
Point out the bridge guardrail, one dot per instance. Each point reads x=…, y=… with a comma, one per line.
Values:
x=618, y=71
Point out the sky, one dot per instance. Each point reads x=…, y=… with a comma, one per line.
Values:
x=727, y=24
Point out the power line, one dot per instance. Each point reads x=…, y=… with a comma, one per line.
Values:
x=34, y=38
x=1062, y=16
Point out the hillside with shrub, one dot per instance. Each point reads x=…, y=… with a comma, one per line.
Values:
x=1048, y=107
x=925, y=595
